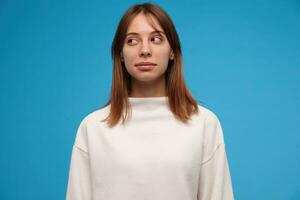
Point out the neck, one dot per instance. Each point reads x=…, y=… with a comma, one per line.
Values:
x=155, y=88
x=149, y=104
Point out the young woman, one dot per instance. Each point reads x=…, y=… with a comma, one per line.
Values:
x=151, y=141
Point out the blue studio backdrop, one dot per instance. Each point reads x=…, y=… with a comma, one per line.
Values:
x=241, y=59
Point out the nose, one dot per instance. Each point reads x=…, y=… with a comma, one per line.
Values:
x=145, y=50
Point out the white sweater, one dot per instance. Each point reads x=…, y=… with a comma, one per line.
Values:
x=152, y=157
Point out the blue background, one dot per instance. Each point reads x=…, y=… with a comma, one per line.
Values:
x=241, y=58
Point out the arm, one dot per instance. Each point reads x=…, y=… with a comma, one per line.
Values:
x=215, y=180
x=79, y=183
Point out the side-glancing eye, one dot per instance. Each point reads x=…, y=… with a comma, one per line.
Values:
x=157, y=39
x=131, y=41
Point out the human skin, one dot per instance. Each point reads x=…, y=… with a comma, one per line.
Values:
x=145, y=44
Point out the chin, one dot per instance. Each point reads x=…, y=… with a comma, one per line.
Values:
x=148, y=79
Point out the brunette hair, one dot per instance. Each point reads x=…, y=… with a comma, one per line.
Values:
x=181, y=102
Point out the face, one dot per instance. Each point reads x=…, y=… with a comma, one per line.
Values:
x=146, y=51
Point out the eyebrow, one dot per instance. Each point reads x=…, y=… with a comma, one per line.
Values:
x=133, y=33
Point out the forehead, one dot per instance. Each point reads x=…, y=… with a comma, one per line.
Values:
x=144, y=23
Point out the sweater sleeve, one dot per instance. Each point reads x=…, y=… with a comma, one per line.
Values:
x=79, y=182
x=214, y=180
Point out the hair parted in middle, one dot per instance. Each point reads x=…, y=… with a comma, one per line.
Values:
x=180, y=100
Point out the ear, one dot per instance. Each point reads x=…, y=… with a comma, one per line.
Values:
x=172, y=55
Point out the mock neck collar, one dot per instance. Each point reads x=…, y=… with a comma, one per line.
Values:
x=148, y=102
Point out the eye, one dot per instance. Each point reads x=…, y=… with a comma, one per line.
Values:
x=131, y=41
x=157, y=39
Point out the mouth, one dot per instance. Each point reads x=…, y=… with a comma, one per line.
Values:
x=145, y=66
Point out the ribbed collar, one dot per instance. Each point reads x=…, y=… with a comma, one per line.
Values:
x=148, y=103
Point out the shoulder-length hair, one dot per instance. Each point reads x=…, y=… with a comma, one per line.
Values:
x=181, y=102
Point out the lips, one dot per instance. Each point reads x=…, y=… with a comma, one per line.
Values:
x=145, y=66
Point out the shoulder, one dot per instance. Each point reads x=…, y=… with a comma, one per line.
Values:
x=212, y=127
x=208, y=115
x=91, y=120
x=95, y=116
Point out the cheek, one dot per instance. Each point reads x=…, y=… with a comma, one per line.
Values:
x=163, y=56
x=128, y=55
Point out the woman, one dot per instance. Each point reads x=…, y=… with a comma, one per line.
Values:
x=166, y=147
